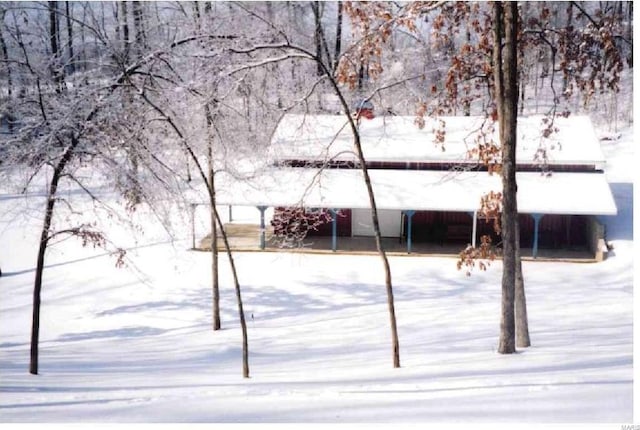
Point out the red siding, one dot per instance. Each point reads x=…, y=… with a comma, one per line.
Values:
x=555, y=231
x=563, y=231
x=432, y=226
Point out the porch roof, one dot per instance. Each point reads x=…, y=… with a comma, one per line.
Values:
x=559, y=193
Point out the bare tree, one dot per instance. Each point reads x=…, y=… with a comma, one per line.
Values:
x=180, y=88
x=292, y=50
x=202, y=171
x=479, y=76
x=341, y=82
x=59, y=129
x=209, y=117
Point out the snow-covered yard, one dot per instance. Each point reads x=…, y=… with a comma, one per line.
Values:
x=124, y=345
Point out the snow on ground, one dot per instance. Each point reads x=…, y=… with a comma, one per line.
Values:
x=125, y=345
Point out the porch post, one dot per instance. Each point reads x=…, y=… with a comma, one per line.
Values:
x=334, y=229
x=193, y=225
x=536, y=224
x=262, y=227
x=409, y=215
x=475, y=229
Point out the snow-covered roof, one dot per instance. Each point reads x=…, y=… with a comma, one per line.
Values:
x=560, y=193
x=397, y=138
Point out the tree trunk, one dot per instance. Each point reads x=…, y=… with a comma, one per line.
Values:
x=362, y=76
x=138, y=49
x=506, y=86
x=214, y=259
x=383, y=256
x=630, y=32
x=82, y=57
x=196, y=11
x=243, y=322
x=317, y=34
x=466, y=105
x=72, y=67
x=336, y=56
x=42, y=248
x=54, y=38
x=522, y=322
x=215, y=278
x=565, y=81
x=291, y=17
x=134, y=196
x=116, y=16
x=136, y=190
x=124, y=28
x=138, y=25
x=37, y=286
x=523, y=88
x=214, y=230
x=395, y=343
x=59, y=37
x=5, y=58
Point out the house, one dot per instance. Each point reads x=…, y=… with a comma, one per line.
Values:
x=427, y=183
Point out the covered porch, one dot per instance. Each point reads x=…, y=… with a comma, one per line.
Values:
x=247, y=238
x=554, y=210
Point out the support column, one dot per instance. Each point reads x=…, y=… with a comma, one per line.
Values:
x=474, y=230
x=262, y=226
x=334, y=229
x=193, y=225
x=409, y=215
x=474, y=227
x=536, y=225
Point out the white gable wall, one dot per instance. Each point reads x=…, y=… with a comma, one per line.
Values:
x=390, y=222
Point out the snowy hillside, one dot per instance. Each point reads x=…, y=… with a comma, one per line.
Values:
x=125, y=345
